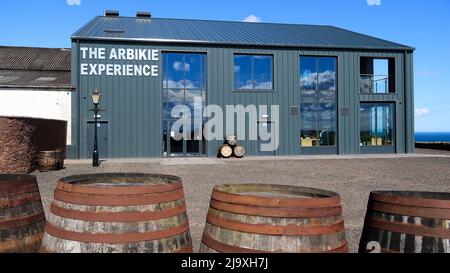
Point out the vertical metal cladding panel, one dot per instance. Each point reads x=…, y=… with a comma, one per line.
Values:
x=133, y=108
x=222, y=93
x=409, y=101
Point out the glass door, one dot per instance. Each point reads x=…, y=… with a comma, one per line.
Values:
x=318, y=93
x=184, y=84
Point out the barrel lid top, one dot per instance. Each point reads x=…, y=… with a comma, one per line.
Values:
x=119, y=183
x=445, y=196
x=120, y=179
x=275, y=190
x=273, y=195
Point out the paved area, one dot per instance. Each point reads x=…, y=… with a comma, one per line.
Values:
x=352, y=177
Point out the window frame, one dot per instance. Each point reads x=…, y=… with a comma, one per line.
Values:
x=393, y=76
x=376, y=104
x=253, y=90
x=162, y=64
x=336, y=99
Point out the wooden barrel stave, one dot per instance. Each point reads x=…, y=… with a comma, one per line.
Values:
x=259, y=226
x=22, y=217
x=179, y=243
x=410, y=231
x=128, y=219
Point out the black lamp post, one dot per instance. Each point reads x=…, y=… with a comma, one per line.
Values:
x=95, y=100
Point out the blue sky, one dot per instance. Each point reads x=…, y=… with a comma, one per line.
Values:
x=418, y=23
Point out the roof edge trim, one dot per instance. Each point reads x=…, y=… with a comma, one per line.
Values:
x=143, y=40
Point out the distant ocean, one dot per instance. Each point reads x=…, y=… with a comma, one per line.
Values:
x=433, y=137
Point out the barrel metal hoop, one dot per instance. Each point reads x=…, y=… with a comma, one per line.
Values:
x=145, y=189
x=224, y=248
x=118, y=200
x=275, y=202
x=125, y=216
x=17, y=189
x=23, y=221
x=408, y=228
x=276, y=212
x=130, y=237
x=276, y=230
x=185, y=249
x=405, y=210
x=12, y=203
x=410, y=201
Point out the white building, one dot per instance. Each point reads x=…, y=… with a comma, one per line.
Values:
x=35, y=82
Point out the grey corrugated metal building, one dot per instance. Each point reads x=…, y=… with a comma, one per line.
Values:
x=338, y=92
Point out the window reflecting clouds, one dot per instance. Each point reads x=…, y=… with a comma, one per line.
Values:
x=184, y=83
x=318, y=101
x=253, y=72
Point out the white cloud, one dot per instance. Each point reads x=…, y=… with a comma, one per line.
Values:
x=73, y=2
x=374, y=2
x=180, y=66
x=252, y=19
x=421, y=111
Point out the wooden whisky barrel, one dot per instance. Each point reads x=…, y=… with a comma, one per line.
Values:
x=50, y=160
x=407, y=222
x=118, y=213
x=255, y=218
x=231, y=139
x=226, y=151
x=22, y=217
x=239, y=151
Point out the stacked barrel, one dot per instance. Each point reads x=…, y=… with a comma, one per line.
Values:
x=231, y=147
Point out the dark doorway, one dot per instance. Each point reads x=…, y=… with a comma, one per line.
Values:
x=102, y=137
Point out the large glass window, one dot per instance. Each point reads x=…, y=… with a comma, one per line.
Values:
x=253, y=72
x=184, y=83
x=318, y=101
x=376, y=124
x=377, y=75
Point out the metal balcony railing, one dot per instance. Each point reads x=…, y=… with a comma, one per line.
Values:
x=370, y=83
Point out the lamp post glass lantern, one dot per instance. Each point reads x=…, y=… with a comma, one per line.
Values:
x=95, y=100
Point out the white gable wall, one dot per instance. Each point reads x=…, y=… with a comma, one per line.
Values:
x=37, y=104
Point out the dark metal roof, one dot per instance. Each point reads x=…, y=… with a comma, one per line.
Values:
x=35, y=68
x=33, y=58
x=228, y=33
x=28, y=79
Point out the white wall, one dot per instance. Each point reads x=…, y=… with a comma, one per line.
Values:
x=37, y=104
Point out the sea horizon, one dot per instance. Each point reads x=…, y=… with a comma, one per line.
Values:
x=432, y=136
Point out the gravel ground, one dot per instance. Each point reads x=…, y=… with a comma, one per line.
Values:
x=353, y=179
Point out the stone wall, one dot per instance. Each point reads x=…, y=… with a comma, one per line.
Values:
x=22, y=138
